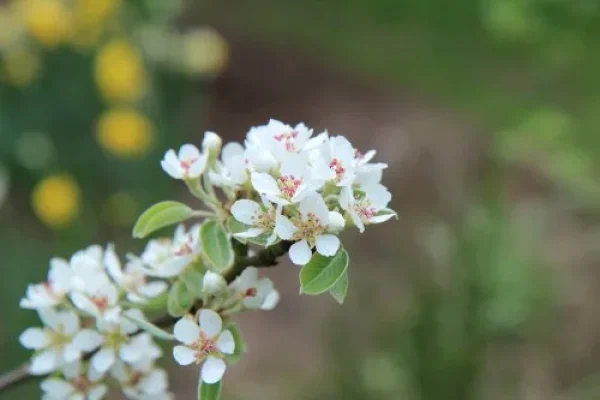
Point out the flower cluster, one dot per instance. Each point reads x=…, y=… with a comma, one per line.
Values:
x=285, y=190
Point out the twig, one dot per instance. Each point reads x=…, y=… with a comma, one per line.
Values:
x=264, y=259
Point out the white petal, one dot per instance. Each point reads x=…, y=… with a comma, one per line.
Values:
x=271, y=300
x=250, y=233
x=226, y=343
x=188, y=152
x=327, y=245
x=210, y=323
x=184, y=355
x=186, y=331
x=112, y=263
x=50, y=318
x=170, y=164
x=377, y=219
x=245, y=211
x=231, y=150
x=72, y=370
x=357, y=221
x=88, y=340
x=284, y=227
x=300, y=253
x=60, y=275
x=248, y=278
x=57, y=388
x=71, y=353
x=104, y=359
x=264, y=184
x=131, y=353
x=75, y=396
x=44, y=362
x=198, y=167
x=97, y=392
x=379, y=195
x=315, y=204
x=69, y=321
x=213, y=370
x=153, y=289
x=346, y=198
x=34, y=339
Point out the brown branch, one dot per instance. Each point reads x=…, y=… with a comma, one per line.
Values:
x=264, y=259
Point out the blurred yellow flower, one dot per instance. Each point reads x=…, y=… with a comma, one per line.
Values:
x=46, y=20
x=124, y=132
x=55, y=200
x=20, y=66
x=90, y=19
x=204, y=52
x=119, y=72
x=11, y=28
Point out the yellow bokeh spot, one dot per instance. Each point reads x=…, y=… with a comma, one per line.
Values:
x=55, y=200
x=46, y=20
x=90, y=20
x=119, y=72
x=20, y=66
x=10, y=27
x=204, y=52
x=124, y=132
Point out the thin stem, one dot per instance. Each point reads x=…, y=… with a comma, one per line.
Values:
x=266, y=258
x=203, y=213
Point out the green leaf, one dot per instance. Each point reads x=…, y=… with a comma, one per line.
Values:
x=160, y=215
x=321, y=272
x=340, y=288
x=216, y=245
x=193, y=280
x=209, y=392
x=150, y=328
x=240, y=345
x=179, y=301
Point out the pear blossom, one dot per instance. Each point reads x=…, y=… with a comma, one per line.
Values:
x=190, y=163
x=364, y=210
x=113, y=340
x=309, y=229
x=255, y=293
x=145, y=382
x=132, y=279
x=76, y=384
x=205, y=344
x=52, y=292
x=54, y=343
x=89, y=274
x=335, y=162
x=294, y=183
x=211, y=144
x=165, y=258
x=233, y=172
x=261, y=218
x=100, y=302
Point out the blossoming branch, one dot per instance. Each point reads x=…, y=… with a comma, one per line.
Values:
x=285, y=190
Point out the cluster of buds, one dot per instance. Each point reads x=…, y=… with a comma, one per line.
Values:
x=283, y=191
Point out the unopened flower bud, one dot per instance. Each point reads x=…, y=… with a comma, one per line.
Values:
x=211, y=145
x=337, y=223
x=213, y=283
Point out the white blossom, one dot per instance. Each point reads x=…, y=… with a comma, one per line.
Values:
x=213, y=283
x=334, y=162
x=54, y=342
x=142, y=382
x=101, y=302
x=255, y=293
x=211, y=144
x=366, y=209
x=165, y=258
x=205, y=344
x=132, y=279
x=76, y=384
x=260, y=217
x=309, y=229
x=232, y=171
x=113, y=341
x=53, y=291
x=293, y=184
x=188, y=164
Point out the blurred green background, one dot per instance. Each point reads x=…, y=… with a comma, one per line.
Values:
x=486, y=110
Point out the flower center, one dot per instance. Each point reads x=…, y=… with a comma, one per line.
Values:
x=100, y=302
x=81, y=384
x=308, y=229
x=288, y=184
x=57, y=337
x=187, y=164
x=265, y=219
x=288, y=140
x=358, y=155
x=364, y=209
x=115, y=338
x=204, y=347
x=250, y=292
x=338, y=168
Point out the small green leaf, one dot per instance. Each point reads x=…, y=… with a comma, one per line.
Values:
x=209, y=392
x=193, y=280
x=340, y=288
x=150, y=328
x=160, y=215
x=179, y=301
x=240, y=345
x=321, y=272
x=216, y=245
